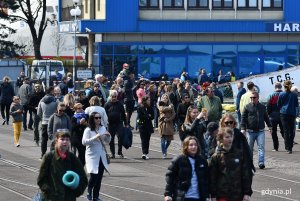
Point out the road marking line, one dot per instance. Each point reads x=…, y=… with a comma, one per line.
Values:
x=16, y=182
x=15, y=192
x=296, y=182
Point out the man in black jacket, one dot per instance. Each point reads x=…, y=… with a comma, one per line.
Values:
x=253, y=120
x=34, y=100
x=116, y=116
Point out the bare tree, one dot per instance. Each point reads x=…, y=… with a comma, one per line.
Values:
x=25, y=42
x=58, y=41
x=34, y=14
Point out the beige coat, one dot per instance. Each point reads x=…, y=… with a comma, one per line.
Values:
x=165, y=121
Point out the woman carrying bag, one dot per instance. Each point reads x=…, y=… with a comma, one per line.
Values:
x=95, y=137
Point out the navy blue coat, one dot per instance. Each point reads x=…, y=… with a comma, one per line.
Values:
x=6, y=93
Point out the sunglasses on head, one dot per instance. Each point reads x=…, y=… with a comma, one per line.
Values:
x=228, y=122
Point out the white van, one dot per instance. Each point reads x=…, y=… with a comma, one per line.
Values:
x=39, y=69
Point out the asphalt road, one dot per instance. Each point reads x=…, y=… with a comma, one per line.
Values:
x=134, y=179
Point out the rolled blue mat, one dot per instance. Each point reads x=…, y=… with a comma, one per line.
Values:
x=71, y=179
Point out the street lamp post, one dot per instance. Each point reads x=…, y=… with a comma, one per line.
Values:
x=75, y=12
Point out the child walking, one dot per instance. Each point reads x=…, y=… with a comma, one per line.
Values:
x=16, y=111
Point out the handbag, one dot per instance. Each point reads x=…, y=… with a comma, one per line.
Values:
x=38, y=197
x=106, y=154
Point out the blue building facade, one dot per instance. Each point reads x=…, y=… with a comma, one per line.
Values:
x=168, y=36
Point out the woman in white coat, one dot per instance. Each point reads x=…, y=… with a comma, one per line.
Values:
x=95, y=137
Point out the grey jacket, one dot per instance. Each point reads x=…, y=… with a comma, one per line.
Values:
x=47, y=106
x=25, y=92
x=58, y=122
x=17, y=117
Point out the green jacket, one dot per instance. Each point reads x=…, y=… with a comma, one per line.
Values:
x=229, y=175
x=213, y=106
x=51, y=173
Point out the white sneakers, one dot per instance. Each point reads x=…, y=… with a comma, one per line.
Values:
x=145, y=157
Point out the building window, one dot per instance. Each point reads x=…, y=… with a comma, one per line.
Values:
x=173, y=3
x=148, y=3
x=197, y=3
x=247, y=4
x=272, y=4
x=222, y=4
x=98, y=5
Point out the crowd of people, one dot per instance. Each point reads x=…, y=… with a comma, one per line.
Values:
x=217, y=149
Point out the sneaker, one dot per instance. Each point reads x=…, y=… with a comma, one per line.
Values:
x=89, y=197
x=295, y=143
x=30, y=128
x=290, y=152
x=112, y=156
x=147, y=157
x=17, y=145
x=274, y=149
x=37, y=143
x=144, y=156
x=4, y=121
x=261, y=166
x=164, y=156
x=121, y=155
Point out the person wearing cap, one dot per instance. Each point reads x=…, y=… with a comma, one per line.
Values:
x=212, y=104
x=25, y=92
x=210, y=139
x=34, y=100
x=288, y=103
x=274, y=114
x=54, y=166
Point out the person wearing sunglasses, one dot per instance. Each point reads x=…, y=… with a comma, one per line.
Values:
x=95, y=138
x=253, y=120
x=58, y=120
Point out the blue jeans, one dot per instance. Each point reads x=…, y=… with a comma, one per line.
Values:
x=260, y=140
x=164, y=145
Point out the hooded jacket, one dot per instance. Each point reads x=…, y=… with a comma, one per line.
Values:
x=46, y=108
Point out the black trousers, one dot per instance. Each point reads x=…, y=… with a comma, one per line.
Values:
x=288, y=123
x=44, y=129
x=25, y=110
x=81, y=152
x=114, y=129
x=36, y=121
x=275, y=123
x=5, y=115
x=145, y=140
x=94, y=184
